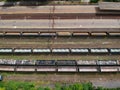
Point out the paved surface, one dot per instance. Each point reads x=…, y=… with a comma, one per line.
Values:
x=74, y=23
x=48, y=9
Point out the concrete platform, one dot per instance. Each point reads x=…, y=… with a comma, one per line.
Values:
x=67, y=23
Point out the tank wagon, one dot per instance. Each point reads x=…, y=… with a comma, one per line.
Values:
x=6, y=50
x=99, y=51
x=59, y=50
x=41, y=50
x=22, y=50
x=60, y=66
x=79, y=50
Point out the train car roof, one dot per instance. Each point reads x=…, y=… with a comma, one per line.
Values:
x=7, y=62
x=66, y=62
x=45, y=62
x=25, y=62
x=107, y=62
x=86, y=62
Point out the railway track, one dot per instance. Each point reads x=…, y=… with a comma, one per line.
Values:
x=59, y=16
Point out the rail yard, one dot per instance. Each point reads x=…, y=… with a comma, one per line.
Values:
x=60, y=41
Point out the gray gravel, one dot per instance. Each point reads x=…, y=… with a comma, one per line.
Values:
x=107, y=84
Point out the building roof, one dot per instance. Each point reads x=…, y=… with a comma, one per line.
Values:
x=109, y=5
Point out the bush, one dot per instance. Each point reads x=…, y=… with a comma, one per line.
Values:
x=12, y=85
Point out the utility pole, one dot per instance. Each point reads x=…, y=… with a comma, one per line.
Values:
x=53, y=11
x=51, y=22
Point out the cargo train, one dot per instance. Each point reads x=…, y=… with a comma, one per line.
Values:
x=65, y=33
x=59, y=50
x=60, y=65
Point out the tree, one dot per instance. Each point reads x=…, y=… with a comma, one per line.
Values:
x=2, y=88
x=47, y=88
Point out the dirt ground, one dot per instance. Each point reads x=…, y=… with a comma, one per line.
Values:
x=61, y=57
x=67, y=42
x=52, y=78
